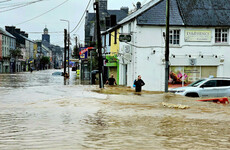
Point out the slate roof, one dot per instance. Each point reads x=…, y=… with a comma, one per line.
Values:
x=120, y=14
x=2, y=31
x=205, y=12
x=91, y=17
x=26, y=38
x=139, y=11
x=156, y=15
x=183, y=12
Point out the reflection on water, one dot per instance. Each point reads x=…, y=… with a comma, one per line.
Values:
x=37, y=111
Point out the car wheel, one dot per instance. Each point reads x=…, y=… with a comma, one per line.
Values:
x=192, y=95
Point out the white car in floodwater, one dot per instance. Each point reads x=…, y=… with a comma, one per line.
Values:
x=208, y=87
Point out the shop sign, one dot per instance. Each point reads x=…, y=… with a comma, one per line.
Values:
x=198, y=35
x=84, y=52
x=125, y=38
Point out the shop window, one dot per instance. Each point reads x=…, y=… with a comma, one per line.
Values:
x=174, y=37
x=221, y=35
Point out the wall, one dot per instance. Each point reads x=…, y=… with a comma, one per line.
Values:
x=114, y=46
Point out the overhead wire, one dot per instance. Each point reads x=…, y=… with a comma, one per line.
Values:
x=4, y=1
x=13, y=4
x=21, y=5
x=82, y=21
x=82, y=16
x=43, y=13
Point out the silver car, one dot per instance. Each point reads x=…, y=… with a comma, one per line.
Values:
x=209, y=87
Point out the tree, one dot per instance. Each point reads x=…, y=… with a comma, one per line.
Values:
x=45, y=60
x=16, y=52
x=76, y=52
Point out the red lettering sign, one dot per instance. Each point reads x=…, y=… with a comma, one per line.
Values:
x=85, y=50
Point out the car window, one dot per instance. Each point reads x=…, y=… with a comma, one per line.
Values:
x=211, y=83
x=197, y=83
x=223, y=83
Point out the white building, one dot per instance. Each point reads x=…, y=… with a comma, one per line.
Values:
x=199, y=42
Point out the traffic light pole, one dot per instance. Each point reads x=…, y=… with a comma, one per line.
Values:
x=100, y=60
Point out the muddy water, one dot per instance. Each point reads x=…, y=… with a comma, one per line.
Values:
x=37, y=111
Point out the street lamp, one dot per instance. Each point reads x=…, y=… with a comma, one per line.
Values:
x=68, y=40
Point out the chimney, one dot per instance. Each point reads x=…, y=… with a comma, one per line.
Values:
x=10, y=28
x=26, y=35
x=125, y=9
x=107, y=22
x=22, y=33
x=138, y=5
x=113, y=19
x=17, y=30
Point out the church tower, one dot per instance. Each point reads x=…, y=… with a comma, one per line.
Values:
x=45, y=36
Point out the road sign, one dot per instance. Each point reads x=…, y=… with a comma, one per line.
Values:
x=84, y=50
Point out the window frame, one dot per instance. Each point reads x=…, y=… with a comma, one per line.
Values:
x=221, y=34
x=174, y=37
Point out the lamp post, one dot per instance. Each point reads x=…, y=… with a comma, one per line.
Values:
x=68, y=40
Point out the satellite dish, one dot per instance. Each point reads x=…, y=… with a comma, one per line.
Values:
x=127, y=49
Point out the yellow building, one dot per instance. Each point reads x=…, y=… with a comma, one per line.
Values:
x=112, y=61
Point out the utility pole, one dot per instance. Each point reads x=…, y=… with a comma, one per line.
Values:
x=65, y=41
x=167, y=46
x=100, y=60
x=68, y=53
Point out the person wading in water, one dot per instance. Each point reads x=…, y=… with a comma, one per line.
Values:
x=139, y=83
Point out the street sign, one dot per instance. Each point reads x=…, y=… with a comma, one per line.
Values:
x=125, y=38
x=84, y=50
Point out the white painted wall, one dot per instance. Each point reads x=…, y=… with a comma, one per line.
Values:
x=148, y=55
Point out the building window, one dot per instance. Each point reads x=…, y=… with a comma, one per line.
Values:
x=129, y=28
x=221, y=35
x=121, y=29
x=174, y=37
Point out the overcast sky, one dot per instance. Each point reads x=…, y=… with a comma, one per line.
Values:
x=71, y=10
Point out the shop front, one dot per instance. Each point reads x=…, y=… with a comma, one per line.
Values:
x=184, y=75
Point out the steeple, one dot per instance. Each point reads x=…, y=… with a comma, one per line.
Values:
x=45, y=30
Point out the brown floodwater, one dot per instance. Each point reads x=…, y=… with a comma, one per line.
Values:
x=41, y=111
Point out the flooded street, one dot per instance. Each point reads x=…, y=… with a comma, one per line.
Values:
x=41, y=111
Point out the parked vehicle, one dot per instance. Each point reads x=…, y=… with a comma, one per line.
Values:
x=208, y=87
x=57, y=73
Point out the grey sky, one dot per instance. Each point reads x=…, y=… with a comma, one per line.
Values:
x=72, y=10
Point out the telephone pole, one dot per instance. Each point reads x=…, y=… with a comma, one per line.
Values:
x=167, y=46
x=65, y=41
x=100, y=60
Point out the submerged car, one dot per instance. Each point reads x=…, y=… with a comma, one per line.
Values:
x=208, y=87
x=57, y=74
